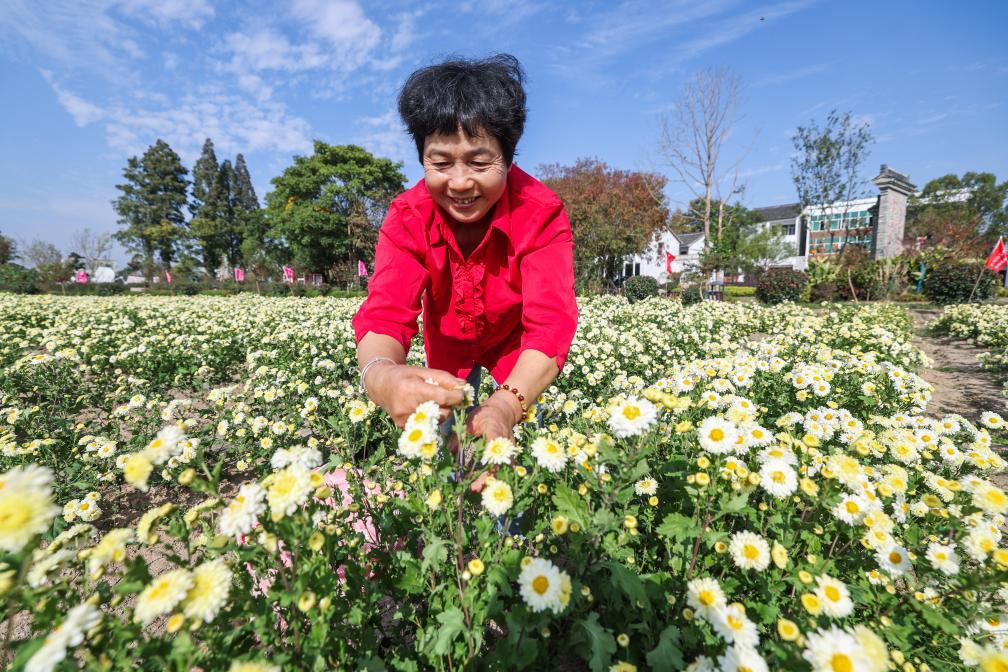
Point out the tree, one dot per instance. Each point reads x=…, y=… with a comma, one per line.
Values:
x=826, y=167
x=247, y=214
x=692, y=137
x=209, y=207
x=613, y=214
x=150, y=207
x=964, y=214
x=328, y=206
x=743, y=244
x=47, y=260
x=8, y=250
x=93, y=249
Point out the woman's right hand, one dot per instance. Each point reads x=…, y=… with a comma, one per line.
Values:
x=399, y=389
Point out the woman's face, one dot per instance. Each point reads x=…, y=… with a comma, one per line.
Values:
x=465, y=175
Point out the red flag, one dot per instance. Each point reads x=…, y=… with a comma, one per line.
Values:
x=288, y=274
x=669, y=258
x=239, y=275
x=167, y=276
x=361, y=269
x=82, y=277
x=998, y=260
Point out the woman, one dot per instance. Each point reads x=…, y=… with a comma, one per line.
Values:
x=486, y=249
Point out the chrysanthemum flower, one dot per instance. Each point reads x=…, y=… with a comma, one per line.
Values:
x=242, y=514
x=162, y=595
x=632, y=416
x=646, y=486
x=70, y=633
x=705, y=597
x=499, y=451
x=287, y=490
x=541, y=585
x=894, y=559
x=211, y=585
x=165, y=444
x=26, y=506
x=731, y=624
x=833, y=596
x=834, y=649
x=497, y=497
x=717, y=435
x=549, y=454
x=778, y=478
x=749, y=551
x=737, y=658
x=990, y=499
x=851, y=509
x=137, y=468
x=943, y=557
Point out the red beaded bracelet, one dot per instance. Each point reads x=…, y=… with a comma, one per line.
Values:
x=521, y=397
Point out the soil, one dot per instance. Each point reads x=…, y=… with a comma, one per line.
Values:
x=961, y=384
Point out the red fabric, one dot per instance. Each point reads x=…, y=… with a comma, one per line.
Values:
x=669, y=258
x=515, y=291
x=997, y=259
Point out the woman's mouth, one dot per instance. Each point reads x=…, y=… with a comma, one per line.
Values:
x=463, y=203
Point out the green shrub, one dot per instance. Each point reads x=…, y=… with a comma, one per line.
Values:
x=640, y=287
x=780, y=284
x=17, y=279
x=953, y=282
x=735, y=291
x=824, y=291
x=691, y=294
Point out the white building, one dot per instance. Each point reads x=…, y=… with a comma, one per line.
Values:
x=821, y=231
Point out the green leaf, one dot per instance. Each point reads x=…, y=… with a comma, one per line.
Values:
x=435, y=552
x=452, y=624
x=571, y=505
x=629, y=582
x=667, y=655
x=600, y=641
x=678, y=527
x=935, y=618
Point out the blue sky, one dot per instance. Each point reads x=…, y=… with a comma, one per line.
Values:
x=88, y=83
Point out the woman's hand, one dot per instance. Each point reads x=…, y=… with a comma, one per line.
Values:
x=399, y=389
x=491, y=421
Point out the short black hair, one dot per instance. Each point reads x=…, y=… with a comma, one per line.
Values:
x=478, y=95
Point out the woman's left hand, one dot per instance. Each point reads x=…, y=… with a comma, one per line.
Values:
x=491, y=422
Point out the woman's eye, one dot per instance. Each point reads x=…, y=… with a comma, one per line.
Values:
x=441, y=165
x=480, y=165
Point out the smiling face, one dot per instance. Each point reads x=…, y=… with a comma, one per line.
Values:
x=465, y=175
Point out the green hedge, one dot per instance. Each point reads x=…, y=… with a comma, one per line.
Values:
x=780, y=284
x=954, y=282
x=640, y=287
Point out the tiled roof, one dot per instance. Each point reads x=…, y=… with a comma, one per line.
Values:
x=775, y=212
x=687, y=238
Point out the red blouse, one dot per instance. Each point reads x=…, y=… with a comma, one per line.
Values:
x=514, y=292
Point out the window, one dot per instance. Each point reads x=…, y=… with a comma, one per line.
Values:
x=631, y=268
x=834, y=224
x=661, y=249
x=683, y=250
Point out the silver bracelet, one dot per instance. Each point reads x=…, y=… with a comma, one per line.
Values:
x=367, y=365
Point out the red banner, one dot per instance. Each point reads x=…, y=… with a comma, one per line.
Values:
x=669, y=258
x=167, y=276
x=82, y=277
x=239, y=275
x=288, y=274
x=997, y=259
x=361, y=269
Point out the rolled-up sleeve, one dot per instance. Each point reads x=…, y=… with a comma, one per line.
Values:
x=549, y=308
x=398, y=282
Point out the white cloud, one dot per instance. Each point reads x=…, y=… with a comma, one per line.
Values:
x=791, y=75
x=266, y=49
x=190, y=12
x=350, y=34
x=383, y=135
x=82, y=111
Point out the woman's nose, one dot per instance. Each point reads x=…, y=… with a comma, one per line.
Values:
x=459, y=178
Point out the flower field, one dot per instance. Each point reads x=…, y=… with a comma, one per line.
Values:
x=985, y=324
x=197, y=484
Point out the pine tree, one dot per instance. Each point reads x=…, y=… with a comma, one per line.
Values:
x=150, y=207
x=208, y=207
x=247, y=215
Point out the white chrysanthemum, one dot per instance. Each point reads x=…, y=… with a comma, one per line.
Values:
x=70, y=633
x=416, y=439
x=833, y=596
x=165, y=444
x=749, y=551
x=990, y=499
x=702, y=664
x=741, y=659
x=731, y=624
x=26, y=506
x=992, y=420
x=778, y=478
x=943, y=557
x=426, y=416
x=894, y=559
x=851, y=509
x=541, y=585
x=717, y=435
x=38, y=575
x=705, y=596
x=549, y=454
x=779, y=453
x=209, y=593
x=287, y=490
x=835, y=649
x=162, y=595
x=499, y=451
x=242, y=514
x=646, y=486
x=632, y=417
x=979, y=543
x=497, y=497
x=309, y=458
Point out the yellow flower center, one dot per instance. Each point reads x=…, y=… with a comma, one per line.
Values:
x=832, y=592
x=717, y=434
x=841, y=662
x=895, y=557
x=852, y=507
x=415, y=434
x=540, y=584
x=631, y=412
x=734, y=622
x=750, y=551
x=14, y=514
x=706, y=597
x=777, y=476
